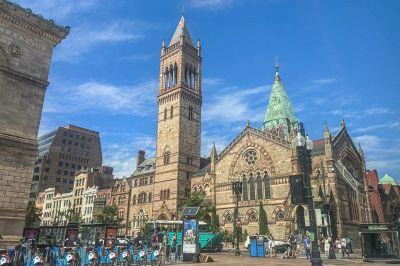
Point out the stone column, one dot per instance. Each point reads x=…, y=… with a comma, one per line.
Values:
x=26, y=45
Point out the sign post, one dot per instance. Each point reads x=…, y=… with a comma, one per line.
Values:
x=190, y=234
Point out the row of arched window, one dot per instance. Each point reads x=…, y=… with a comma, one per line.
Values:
x=256, y=186
x=164, y=194
x=170, y=76
x=190, y=76
x=143, y=197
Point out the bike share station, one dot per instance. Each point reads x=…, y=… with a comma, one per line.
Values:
x=190, y=234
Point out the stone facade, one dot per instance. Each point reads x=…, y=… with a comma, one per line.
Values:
x=121, y=196
x=159, y=184
x=26, y=45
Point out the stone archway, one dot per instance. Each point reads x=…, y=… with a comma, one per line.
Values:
x=162, y=217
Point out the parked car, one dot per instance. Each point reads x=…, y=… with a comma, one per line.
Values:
x=280, y=246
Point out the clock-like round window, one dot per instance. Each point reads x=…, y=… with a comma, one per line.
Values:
x=280, y=216
x=250, y=157
x=253, y=217
x=228, y=218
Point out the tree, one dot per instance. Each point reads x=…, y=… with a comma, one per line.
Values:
x=197, y=199
x=262, y=221
x=74, y=217
x=237, y=231
x=109, y=215
x=32, y=218
x=214, y=221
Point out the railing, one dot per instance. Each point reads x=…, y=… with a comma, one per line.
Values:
x=348, y=177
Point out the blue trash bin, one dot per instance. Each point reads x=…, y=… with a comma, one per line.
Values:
x=261, y=248
x=253, y=246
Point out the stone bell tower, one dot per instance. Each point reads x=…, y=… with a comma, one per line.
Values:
x=179, y=121
x=26, y=46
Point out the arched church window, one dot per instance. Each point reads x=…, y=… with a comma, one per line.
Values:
x=252, y=188
x=175, y=74
x=149, y=198
x=250, y=157
x=267, y=186
x=186, y=75
x=252, y=216
x=142, y=197
x=166, y=157
x=228, y=218
x=194, y=79
x=280, y=216
x=165, y=114
x=259, y=186
x=244, y=188
x=171, y=76
x=166, y=78
x=172, y=111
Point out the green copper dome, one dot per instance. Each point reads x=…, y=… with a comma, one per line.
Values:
x=279, y=110
x=387, y=179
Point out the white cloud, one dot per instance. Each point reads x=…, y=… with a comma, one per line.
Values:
x=209, y=82
x=368, y=142
x=209, y=139
x=233, y=105
x=58, y=9
x=323, y=81
x=82, y=39
x=210, y=3
x=136, y=57
x=393, y=125
x=359, y=114
x=122, y=157
x=138, y=99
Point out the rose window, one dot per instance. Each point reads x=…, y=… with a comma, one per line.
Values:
x=250, y=157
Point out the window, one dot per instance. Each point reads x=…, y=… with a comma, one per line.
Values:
x=58, y=179
x=64, y=180
x=190, y=113
x=165, y=114
x=149, y=199
x=65, y=172
x=58, y=171
x=244, y=188
x=166, y=157
x=190, y=160
x=250, y=157
x=60, y=163
x=252, y=188
x=259, y=187
x=280, y=216
x=66, y=165
x=267, y=186
x=142, y=197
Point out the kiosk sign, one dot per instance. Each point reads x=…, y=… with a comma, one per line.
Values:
x=190, y=236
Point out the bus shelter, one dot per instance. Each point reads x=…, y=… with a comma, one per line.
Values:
x=379, y=241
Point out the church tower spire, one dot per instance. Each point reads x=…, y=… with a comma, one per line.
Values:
x=179, y=119
x=279, y=116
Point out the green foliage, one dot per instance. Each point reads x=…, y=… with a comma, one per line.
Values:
x=74, y=218
x=237, y=232
x=215, y=227
x=109, y=215
x=32, y=218
x=262, y=221
x=245, y=235
x=197, y=199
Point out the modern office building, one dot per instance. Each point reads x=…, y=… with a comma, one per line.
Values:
x=62, y=153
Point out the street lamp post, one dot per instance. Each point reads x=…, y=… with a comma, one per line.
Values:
x=237, y=190
x=304, y=146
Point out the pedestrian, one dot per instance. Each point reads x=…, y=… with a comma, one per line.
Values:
x=307, y=246
x=175, y=247
x=165, y=245
x=154, y=239
x=272, y=247
x=343, y=245
x=327, y=243
x=349, y=241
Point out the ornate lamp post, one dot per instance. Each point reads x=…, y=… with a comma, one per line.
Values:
x=237, y=190
x=304, y=146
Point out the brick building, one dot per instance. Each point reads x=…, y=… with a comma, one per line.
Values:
x=121, y=197
x=62, y=153
x=374, y=196
x=26, y=46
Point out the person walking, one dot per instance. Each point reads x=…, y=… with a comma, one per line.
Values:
x=343, y=245
x=272, y=248
x=327, y=243
x=349, y=241
x=307, y=246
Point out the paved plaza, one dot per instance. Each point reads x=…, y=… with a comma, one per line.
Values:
x=228, y=258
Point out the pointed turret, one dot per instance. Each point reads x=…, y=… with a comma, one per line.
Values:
x=181, y=32
x=279, y=115
x=213, y=157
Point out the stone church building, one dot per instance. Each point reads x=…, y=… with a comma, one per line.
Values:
x=264, y=159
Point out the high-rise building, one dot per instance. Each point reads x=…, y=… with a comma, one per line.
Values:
x=62, y=153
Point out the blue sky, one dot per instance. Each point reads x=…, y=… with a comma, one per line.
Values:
x=339, y=59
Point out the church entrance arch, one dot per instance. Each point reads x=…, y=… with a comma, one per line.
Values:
x=301, y=224
x=162, y=217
